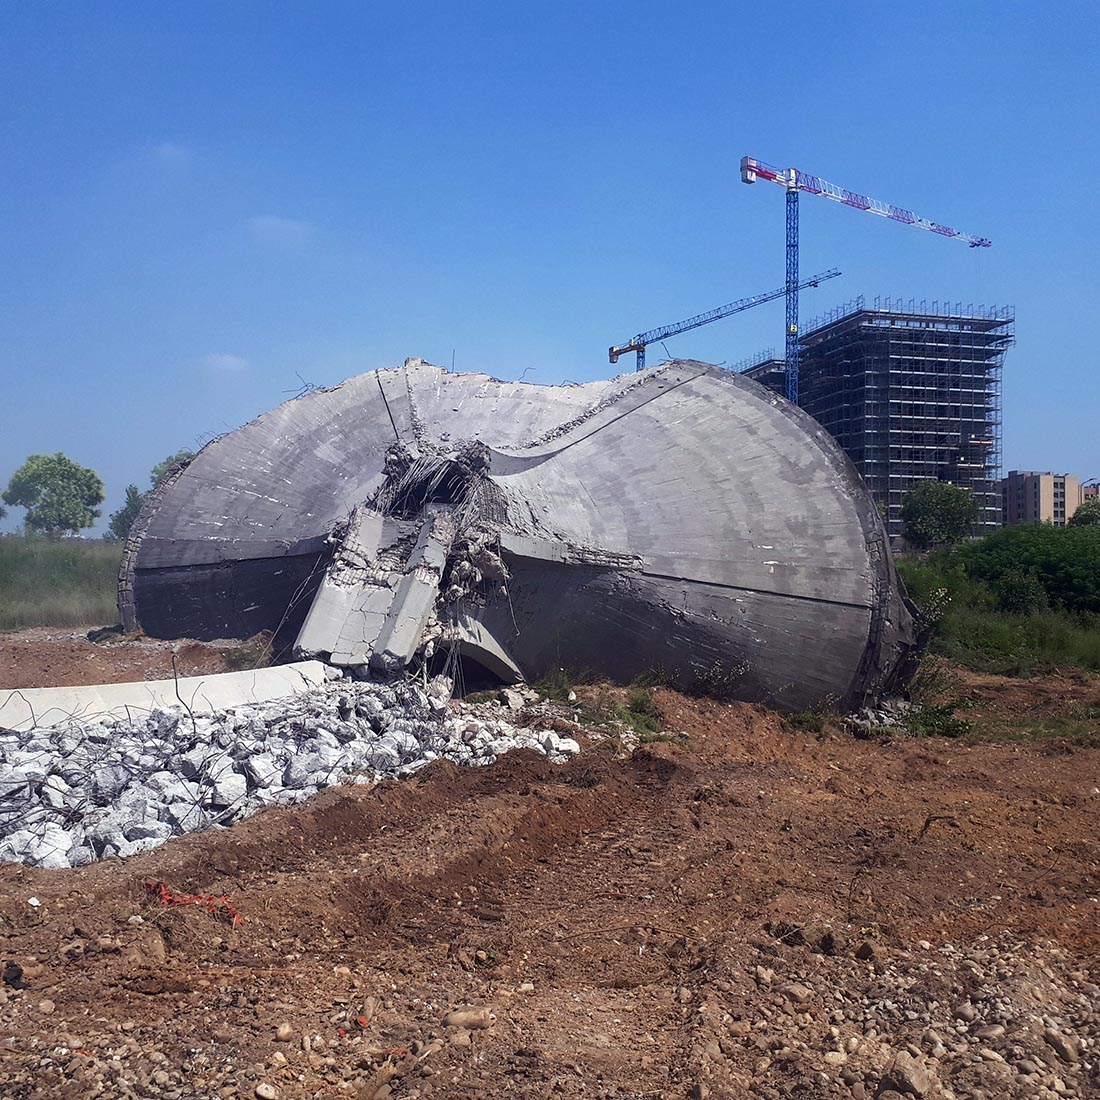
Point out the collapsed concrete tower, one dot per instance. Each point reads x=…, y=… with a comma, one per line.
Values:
x=682, y=518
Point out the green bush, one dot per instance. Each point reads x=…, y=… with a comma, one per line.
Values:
x=925, y=578
x=72, y=582
x=1020, y=592
x=1065, y=561
x=937, y=720
x=996, y=613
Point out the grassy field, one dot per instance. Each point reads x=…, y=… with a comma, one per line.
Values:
x=67, y=583
x=1022, y=604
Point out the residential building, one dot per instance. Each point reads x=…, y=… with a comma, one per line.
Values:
x=1030, y=496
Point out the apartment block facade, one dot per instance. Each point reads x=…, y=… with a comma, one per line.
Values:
x=912, y=392
x=1030, y=496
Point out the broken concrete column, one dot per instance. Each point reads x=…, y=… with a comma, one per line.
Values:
x=416, y=595
x=341, y=590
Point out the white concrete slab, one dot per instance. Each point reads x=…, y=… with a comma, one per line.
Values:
x=28, y=708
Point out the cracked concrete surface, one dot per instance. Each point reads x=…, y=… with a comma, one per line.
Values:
x=683, y=519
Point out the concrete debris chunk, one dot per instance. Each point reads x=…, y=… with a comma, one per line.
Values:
x=227, y=789
x=167, y=776
x=260, y=770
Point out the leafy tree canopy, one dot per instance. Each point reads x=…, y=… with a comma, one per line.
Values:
x=162, y=468
x=118, y=527
x=59, y=495
x=936, y=513
x=1088, y=512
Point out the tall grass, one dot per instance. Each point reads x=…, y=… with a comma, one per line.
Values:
x=971, y=628
x=67, y=583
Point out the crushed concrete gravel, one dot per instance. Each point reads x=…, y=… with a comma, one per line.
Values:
x=91, y=789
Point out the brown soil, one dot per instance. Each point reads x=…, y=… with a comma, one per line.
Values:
x=55, y=657
x=1043, y=695
x=609, y=912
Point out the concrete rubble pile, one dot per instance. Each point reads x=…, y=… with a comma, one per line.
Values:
x=89, y=789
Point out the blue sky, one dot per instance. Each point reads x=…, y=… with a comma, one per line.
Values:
x=202, y=203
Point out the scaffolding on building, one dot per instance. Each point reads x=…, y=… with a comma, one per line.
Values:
x=766, y=368
x=746, y=364
x=912, y=391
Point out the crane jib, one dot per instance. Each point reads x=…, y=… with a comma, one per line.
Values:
x=638, y=343
x=794, y=179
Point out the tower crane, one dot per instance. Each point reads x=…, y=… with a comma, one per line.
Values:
x=794, y=181
x=638, y=343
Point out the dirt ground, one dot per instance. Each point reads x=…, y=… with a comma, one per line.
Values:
x=65, y=657
x=742, y=912
x=1056, y=705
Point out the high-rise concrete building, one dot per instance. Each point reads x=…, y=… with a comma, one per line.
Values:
x=912, y=392
x=1032, y=497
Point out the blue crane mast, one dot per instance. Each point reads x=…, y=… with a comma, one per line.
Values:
x=638, y=343
x=794, y=180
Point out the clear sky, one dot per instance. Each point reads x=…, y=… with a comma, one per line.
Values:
x=203, y=204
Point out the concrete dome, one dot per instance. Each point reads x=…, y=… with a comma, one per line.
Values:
x=682, y=518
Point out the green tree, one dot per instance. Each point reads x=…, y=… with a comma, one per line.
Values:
x=118, y=527
x=937, y=513
x=59, y=495
x=161, y=469
x=1088, y=513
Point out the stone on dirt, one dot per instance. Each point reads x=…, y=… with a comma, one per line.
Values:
x=907, y=1076
x=468, y=1017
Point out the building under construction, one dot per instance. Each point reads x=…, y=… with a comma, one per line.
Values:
x=911, y=391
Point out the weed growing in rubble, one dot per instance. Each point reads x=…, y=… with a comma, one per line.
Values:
x=587, y=778
x=719, y=681
x=637, y=714
x=657, y=676
x=935, y=681
x=254, y=653
x=813, y=720
x=937, y=721
x=936, y=693
x=555, y=685
x=481, y=697
x=640, y=712
x=605, y=706
x=558, y=684
x=662, y=738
